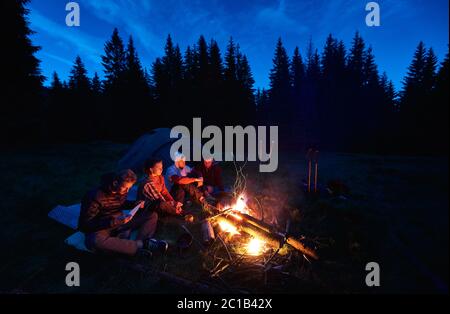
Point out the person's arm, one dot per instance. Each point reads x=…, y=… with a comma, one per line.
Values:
x=89, y=220
x=176, y=179
x=218, y=178
x=165, y=193
x=183, y=180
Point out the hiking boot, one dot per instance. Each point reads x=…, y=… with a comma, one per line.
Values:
x=154, y=245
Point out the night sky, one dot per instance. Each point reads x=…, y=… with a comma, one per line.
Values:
x=255, y=25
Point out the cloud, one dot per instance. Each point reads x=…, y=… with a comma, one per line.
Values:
x=83, y=43
x=57, y=58
x=133, y=16
x=278, y=17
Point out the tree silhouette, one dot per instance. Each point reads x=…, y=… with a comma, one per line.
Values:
x=280, y=108
x=21, y=113
x=114, y=60
x=438, y=107
x=412, y=102
x=56, y=103
x=335, y=100
x=135, y=89
x=78, y=116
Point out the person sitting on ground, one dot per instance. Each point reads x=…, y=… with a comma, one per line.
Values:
x=154, y=192
x=212, y=177
x=179, y=177
x=105, y=226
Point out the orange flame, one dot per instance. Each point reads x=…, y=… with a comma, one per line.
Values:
x=255, y=247
x=227, y=227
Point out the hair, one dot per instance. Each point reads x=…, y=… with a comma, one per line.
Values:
x=126, y=176
x=150, y=163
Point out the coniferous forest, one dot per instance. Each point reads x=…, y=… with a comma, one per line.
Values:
x=332, y=97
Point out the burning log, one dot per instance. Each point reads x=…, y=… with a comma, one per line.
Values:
x=265, y=233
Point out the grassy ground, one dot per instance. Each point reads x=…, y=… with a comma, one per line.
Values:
x=396, y=215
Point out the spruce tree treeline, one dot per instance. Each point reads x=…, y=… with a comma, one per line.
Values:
x=338, y=100
x=335, y=100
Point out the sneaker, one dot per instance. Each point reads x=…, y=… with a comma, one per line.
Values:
x=154, y=245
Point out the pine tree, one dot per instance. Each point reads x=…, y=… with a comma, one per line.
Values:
x=215, y=62
x=440, y=112
x=22, y=110
x=412, y=102
x=114, y=64
x=114, y=60
x=329, y=58
x=137, y=93
x=167, y=77
x=429, y=72
x=96, y=85
x=329, y=100
x=279, y=74
x=245, y=82
x=281, y=109
x=191, y=65
x=356, y=60
x=57, y=100
x=230, y=62
x=297, y=72
x=415, y=76
x=96, y=108
x=56, y=84
x=133, y=67
x=78, y=79
x=297, y=76
x=231, y=84
x=215, y=89
x=203, y=60
x=370, y=70
x=310, y=105
x=78, y=118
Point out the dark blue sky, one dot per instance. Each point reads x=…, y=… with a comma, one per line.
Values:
x=255, y=25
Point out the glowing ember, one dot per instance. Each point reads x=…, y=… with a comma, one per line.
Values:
x=227, y=227
x=255, y=247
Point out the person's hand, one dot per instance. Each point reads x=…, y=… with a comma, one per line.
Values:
x=199, y=182
x=178, y=208
x=142, y=204
x=121, y=220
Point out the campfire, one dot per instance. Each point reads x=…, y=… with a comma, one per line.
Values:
x=238, y=246
x=237, y=221
x=255, y=245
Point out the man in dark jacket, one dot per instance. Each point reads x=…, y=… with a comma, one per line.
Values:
x=105, y=226
x=212, y=177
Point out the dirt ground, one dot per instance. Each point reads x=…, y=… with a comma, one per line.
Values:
x=395, y=213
